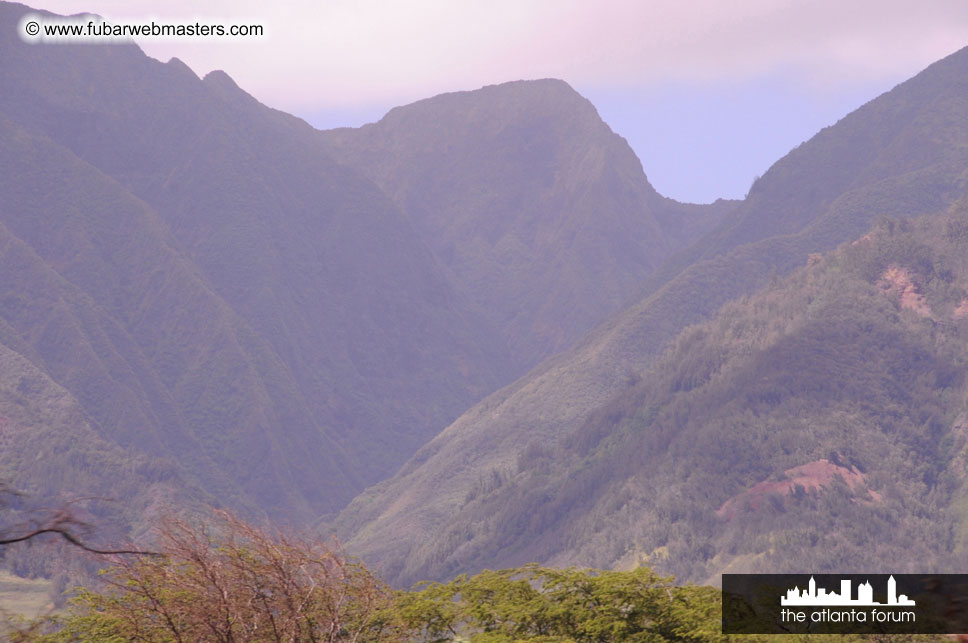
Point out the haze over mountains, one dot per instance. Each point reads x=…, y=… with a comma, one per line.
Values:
x=533, y=205
x=180, y=215
x=470, y=328
x=267, y=326
x=901, y=154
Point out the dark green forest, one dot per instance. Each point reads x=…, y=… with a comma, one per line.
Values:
x=237, y=315
x=599, y=450
x=819, y=424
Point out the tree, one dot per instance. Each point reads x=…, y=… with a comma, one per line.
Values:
x=535, y=603
x=245, y=585
x=230, y=582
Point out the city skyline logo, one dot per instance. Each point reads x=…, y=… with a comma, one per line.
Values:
x=818, y=596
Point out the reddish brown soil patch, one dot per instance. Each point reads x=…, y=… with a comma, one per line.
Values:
x=812, y=476
x=962, y=310
x=898, y=282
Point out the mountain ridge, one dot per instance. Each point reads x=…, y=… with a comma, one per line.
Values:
x=169, y=143
x=644, y=478
x=567, y=201
x=219, y=293
x=689, y=289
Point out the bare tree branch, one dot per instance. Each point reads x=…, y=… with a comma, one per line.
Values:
x=72, y=539
x=65, y=524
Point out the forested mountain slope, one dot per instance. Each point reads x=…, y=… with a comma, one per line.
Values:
x=226, y=294
x=536, y=208
x=819, y=424
x=910, y=163
x=216, y=293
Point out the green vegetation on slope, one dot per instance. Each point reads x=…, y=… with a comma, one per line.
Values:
x=213, y=289
x=818, y=424
x=909, y=160
x=52, y=459
x=217, y=292
x=537, y=209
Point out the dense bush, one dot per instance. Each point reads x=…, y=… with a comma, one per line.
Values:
x=231, y=582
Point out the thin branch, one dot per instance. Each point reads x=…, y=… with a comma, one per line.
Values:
x=62, y=522
x=72, y=539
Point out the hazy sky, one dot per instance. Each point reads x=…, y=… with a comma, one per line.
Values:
x=709, y=93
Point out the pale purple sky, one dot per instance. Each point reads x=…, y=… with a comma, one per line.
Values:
x=708, y=93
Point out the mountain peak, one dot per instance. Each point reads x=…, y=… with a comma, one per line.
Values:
x=535, y=87
x=220, y=79
x=226, y=88
x=506, y=102
x=179, y=65
x=514, y=186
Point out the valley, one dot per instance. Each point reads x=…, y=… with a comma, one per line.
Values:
x=472, y=335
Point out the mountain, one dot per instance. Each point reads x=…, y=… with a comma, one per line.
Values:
x=213, y=288
x=534, y=206
x=55, y=458
x=901, y=154
x=898, y=155
x=819, y=424
x=264, y=311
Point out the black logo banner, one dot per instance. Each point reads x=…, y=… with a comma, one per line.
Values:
x=845, y=603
